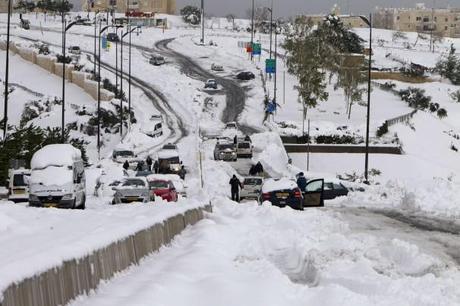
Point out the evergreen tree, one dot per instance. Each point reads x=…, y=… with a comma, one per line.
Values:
x=449, y=66
x=191, y=14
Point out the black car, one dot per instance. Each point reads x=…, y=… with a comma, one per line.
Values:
x=245, y=76
x=334, y=190
x=291, y=195
x=113, y=37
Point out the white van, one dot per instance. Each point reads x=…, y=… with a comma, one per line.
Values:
x=57, y=178
x=18, y=186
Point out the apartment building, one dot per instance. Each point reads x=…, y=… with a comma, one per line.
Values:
x=122, y=6
x=445, y=22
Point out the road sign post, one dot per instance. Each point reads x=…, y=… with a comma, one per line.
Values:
x=256, y=49
x=270, y=66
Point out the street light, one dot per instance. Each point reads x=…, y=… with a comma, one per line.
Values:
x=270, y=9
x=202, y=21
x=116, y=57
x=95, y=38
x=252, y=30
x=130, y=30
x=366, y=165
x=65, y=28
x=101, y=30
x=7, y=67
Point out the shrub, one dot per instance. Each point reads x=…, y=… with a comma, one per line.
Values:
x=455, y=96
x=415, y=97
x=434, y=107
x=335, y=139
x=442, y=113
x=382, y=130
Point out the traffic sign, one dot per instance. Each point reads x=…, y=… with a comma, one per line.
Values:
x=270, y=66
x=256, y=49
x=104, y=42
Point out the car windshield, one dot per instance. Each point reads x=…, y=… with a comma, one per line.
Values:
x=226, y=146
x=143, y=173
x=18, y=180
x=124, y=153
x=231, y=126
x=158, y=184
x=172, y=160
x=244, y=145
x=169, y=147
x=133, y=183
x=252, y=181
x=76, y=48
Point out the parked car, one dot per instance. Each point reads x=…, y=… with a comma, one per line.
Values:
x=231, y=125
x=121, y=155
x=57, y=178
x=143, y=173
x=169, y=161
x=155, y=127
x=245, y=76
x=285, y=192
x=252, y=187
x=215, y=67
x=132, y=190
x=75, y=50
x=244, y=149
x=157, y=60
x=113, y=37
x=211, y=83
x=18, y=185
x=169, y=146
x=333, y=190
x=164, y=189
x=225, y=151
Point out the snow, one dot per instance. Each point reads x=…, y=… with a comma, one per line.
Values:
x=278, y=184
x=51, y=176
x=166, y=154
x=55, y=155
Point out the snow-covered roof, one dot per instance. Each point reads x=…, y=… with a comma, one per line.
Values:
x=165, y=154
x=55, y=154
x=281, y=184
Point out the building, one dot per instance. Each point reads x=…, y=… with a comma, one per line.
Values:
x=347, y=20
x=4, y=6
x=122, y=6
x=445, y=22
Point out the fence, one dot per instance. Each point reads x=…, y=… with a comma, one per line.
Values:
x=59, y=285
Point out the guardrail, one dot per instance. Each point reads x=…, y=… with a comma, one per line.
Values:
x=401, y=119
x=318, y=148
x=60, y=285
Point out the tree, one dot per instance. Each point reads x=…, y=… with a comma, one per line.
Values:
x=449, y=66
x=231, y=18
x=305, y=62
x=398, y=35
x=191, y=14
x=25, y=6
x=442, y=113
x=349, y=80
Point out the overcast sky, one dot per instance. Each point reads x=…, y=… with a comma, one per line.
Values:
x=284, y=8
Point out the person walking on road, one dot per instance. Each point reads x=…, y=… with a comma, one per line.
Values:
x=302, y=182
x=126, y=165
x=235, y=188
x=182, y=173
x=149, y=162
x=259, y=169
x=156, y=166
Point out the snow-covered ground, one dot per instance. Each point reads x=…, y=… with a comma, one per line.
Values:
x=246, y=254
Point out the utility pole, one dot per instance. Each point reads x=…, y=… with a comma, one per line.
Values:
x=95, y=38
x=252, y=31
x=366, y=165
x=276, y=68
x=129, y=79
x=63, y=77
x=7, y=67
x=99, y=94
x=202, y=21
x=271, y=28
x=121, y=86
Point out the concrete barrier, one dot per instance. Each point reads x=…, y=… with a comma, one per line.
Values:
x=2, y=45
x=317, y=148
x=75, y=277
x=68, y=70
x=91, y=88
x=79, y=78
x=46, y=62
x=28, y=55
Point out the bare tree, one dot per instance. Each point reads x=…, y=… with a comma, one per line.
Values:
x=231, y=18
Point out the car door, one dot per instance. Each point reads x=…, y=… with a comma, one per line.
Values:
x=314, y=196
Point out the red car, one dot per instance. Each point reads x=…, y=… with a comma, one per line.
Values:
x=164, y=189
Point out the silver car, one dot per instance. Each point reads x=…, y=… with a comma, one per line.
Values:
x=244, y=149
x=252, y=186
x=225, y=151
x=131, y=190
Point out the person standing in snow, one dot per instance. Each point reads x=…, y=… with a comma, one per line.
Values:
x=235, y=188
x=126, y=165
x=302, y=182
x=182, y=173
x=259, y=168
x=156, y=166
x=149, y=163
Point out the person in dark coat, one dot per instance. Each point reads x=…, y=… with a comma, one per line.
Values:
x=235, y=139
x=126, y=165
x=156, y=166
x=140, y=166
x=235, y=188
x=149, y=162
x=247, y=138
x=302, y=182
x=259, y=168
x=182, y=173
x=252, y=170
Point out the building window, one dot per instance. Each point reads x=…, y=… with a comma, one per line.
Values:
x=435, y=18
x=397, y=18
x=418, y=18
x=446, y=28
x=447, y=19
x=426, y=19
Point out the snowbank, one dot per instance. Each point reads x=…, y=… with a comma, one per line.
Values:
x=281, y=184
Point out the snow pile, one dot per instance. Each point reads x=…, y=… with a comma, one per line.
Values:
x=281, y=184
x=263, y=255
x=56, y=154
x=436, y=197
x=51, y=176
x=272, y=155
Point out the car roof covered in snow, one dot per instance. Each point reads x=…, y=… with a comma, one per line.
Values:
x=278, y=184
x=55, y=154
x=165, y=154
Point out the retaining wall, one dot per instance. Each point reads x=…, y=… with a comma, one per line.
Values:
x=46, y=62
x=315, y=148
x=68, y=70
x=60, y=285
x=28, y=55
x=90, y=87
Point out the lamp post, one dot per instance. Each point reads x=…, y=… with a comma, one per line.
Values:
x=270, y=9
x=95, y=39
x=202, y=21
x=130, y=30
x=366, y=165
x=7, y=67
x=252, y=30
x=101, y=30
x=65, y=28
